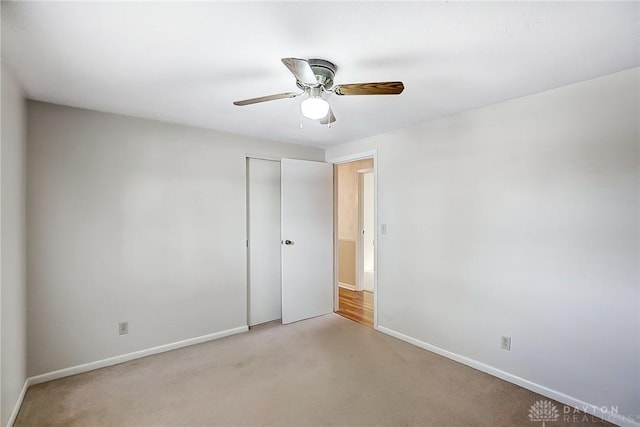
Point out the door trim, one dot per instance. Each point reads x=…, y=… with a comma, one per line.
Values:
x=371, y=154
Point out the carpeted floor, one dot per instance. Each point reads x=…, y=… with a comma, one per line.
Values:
x=327, y=371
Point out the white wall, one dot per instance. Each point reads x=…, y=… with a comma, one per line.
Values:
x=13, y=355
x=520, y=219
x=134, y=220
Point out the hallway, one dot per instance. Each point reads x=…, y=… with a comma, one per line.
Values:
x=356, y=306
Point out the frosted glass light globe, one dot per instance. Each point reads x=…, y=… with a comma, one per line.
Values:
x=314, y=108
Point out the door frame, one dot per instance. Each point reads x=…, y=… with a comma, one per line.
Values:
x=372, y=154
x=360, y=237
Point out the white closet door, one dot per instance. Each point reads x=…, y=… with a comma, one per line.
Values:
x=264, y=241
x=307, y=237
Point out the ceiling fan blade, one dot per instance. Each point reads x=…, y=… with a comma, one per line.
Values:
x=266, y=98
x=301, y=69
x=329, y=118
x=375, y=88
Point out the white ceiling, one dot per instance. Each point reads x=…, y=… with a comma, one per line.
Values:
x=187, y=62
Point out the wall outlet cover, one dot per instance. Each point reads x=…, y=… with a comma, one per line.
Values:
x=123, y=328
x=505, y=343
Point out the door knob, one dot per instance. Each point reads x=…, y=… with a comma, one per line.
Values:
x=288, y=242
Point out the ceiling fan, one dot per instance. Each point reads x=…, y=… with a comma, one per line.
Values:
x=315, y=78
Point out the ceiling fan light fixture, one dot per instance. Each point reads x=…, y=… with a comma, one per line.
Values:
x=314, y=108
x=315, y=77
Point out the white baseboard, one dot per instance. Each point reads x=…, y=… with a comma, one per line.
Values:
x=598, y=411
x=16, y=407
x=537, y=388
x=347, y=286
x=61, y=373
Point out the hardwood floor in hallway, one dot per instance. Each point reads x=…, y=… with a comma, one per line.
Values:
x=356, y=306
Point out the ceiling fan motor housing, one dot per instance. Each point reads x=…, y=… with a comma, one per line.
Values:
x=324, y=71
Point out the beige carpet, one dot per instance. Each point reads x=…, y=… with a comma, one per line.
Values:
x=326, y=371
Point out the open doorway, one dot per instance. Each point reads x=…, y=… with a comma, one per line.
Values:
x=355, y=228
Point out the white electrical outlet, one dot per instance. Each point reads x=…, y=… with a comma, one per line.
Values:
x=505, y=343
x=123, y=328
x=383, y=228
